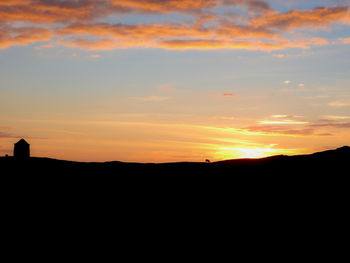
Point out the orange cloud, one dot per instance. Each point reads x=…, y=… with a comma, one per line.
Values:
x=240, y=44
x=345, y=40
x=22, y=36
x=100, y=44
x=257, y=5
x=318, y=17
x=126, y=31
x=291, y=125
x=150, y=40
x=73, y=24
x=166, y=88
x=280, y=130
x=166, y=5
x=40, y=11
x=344, y=125
x=95, y=56
x=339, y=104
x=228, y=95
x=10, y=2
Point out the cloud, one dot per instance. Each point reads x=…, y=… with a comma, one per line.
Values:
x=280, y=129
x=319, y=17
x=339, y=104
x=10, y=36
x=50, y=11
x=4, y=135
x=316, y=97
x=279, y=116
x=289, y=125
x=204, y=44
x=343, y=125
x=95, y=56
x=166, y=88
x=6, y=151
x=166, y=6
x=344, y=40
x=335, y=117
x=151, y=98
x=100, y=44
x=45, y=46
x=285, y=116
x=283, y=119
x=283, y=122
x=7, y=135
x=226, y=118
x=91, y=25
x=278, y=55
x=228, y=95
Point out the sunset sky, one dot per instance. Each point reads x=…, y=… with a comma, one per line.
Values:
x=174, y=80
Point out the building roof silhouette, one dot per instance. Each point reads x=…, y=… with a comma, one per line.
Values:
x=21, y=149
x=21, y=142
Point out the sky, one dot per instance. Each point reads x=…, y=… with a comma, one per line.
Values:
x=171, y=80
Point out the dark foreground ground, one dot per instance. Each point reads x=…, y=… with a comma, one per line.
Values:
x=240, y=200
x=332, y=162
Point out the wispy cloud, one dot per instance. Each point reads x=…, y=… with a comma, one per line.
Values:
x=291, y=125
x=280, y=130
x=166, y=88
x=151, y=98
x=45, y=46
x=284, y=122
x=317, y=17
x=283, y=119
x=335, y=117
x=345, y=40
x=7, y=135
x=339, y=104
x=278, y=55
x=333, y=124
x=226, y=118
x=228, y=95
x=95, y=56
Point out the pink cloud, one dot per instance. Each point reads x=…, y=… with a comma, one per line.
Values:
x=228, y=95
x=166, y=88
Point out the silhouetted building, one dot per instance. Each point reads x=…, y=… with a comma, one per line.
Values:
x=21, y=149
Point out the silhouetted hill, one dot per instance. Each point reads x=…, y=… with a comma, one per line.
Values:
x=327, y=159
x=330, y=161
x=248, y=189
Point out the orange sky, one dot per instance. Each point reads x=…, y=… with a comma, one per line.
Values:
x=171, y=80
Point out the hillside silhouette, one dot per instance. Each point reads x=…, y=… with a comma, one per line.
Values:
x=331, y=161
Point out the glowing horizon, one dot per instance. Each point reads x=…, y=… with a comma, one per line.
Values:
x=171, y=80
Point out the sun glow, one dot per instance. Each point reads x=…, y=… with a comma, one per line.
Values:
x=231, y=153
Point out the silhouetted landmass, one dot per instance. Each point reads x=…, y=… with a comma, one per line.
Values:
x=331, y=161
x=279, y=191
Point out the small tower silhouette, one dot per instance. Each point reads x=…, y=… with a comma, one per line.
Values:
x=21, y=150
